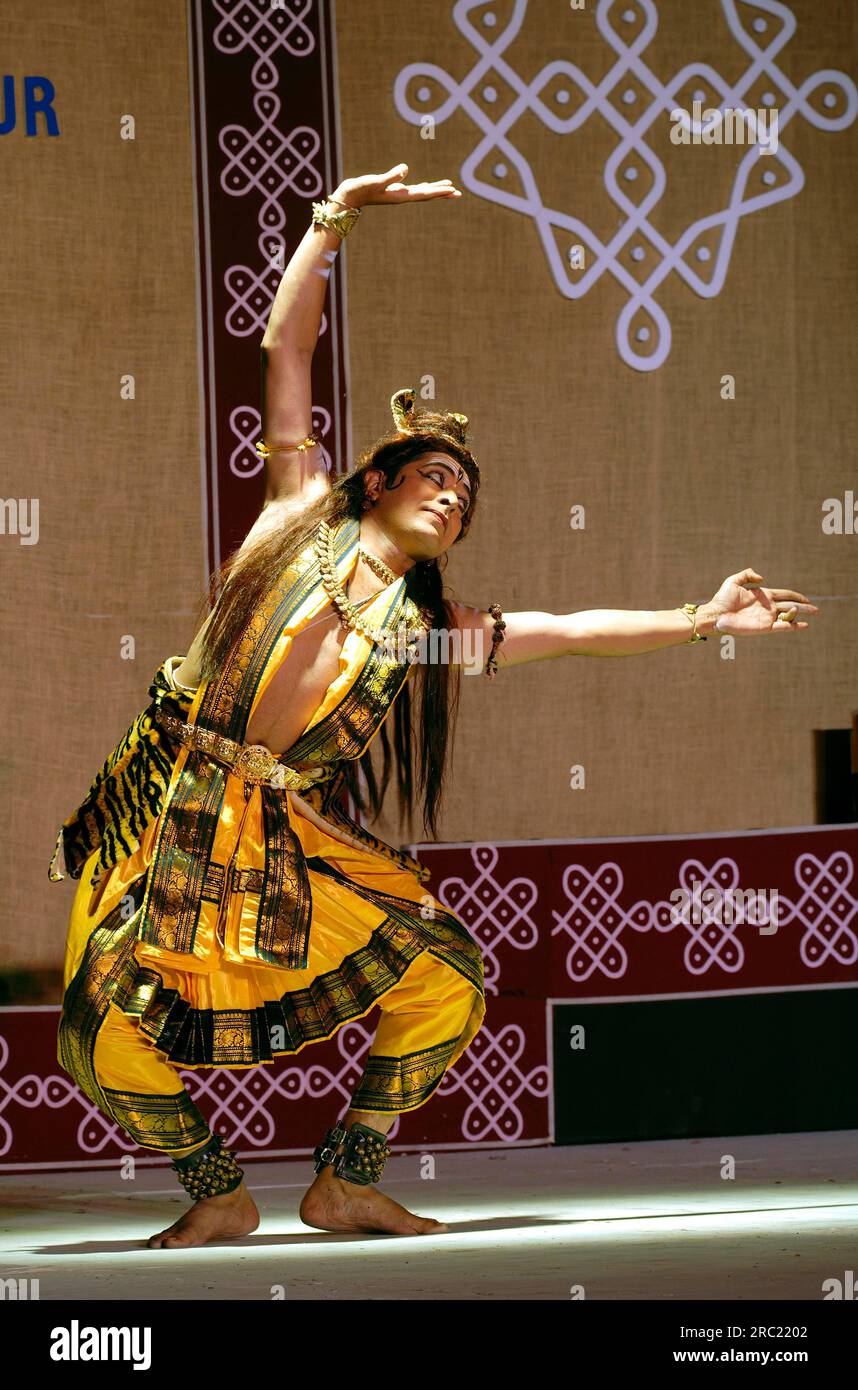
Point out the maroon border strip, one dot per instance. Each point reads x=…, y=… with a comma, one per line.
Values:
x=292, y=163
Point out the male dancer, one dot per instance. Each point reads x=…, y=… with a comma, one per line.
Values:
x=230, y=911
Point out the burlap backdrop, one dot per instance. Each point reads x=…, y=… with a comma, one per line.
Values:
x=680, y=487
x=98, y=283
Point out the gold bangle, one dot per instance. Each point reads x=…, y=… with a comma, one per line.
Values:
x=265, y=450
x=690, y=611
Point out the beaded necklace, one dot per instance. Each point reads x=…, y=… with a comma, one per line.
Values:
x=349, y=614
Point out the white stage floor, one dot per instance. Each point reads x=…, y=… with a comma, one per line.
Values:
x=624, y=1221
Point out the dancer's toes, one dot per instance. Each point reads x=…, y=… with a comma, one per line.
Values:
x=429, y=1227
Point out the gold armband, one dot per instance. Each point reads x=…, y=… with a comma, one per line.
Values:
x=339, y=222
x=265, y=450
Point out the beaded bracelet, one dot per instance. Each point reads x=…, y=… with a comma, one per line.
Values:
x=491, y=664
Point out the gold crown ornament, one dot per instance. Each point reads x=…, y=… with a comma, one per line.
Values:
x=407, y=422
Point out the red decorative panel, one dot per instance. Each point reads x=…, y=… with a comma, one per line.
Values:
x=496, y=1093
x=559, y=920
x=596, y=918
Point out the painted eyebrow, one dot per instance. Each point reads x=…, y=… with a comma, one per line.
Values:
x=436, y=463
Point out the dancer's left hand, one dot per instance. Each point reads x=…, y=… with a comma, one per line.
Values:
x=391, y=188
x=743, y=608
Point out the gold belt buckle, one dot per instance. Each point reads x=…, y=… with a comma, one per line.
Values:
x=255, y=762
x=252, y=761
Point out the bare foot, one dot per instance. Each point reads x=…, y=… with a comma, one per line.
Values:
x=332, y=1204
x=230, y=1214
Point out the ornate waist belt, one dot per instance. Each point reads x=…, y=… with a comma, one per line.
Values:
x=253, y=762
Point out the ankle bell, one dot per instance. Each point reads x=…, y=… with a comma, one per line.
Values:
x=365, y=1153
x=209, y=1172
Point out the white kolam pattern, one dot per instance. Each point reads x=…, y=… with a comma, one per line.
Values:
x=630, y=99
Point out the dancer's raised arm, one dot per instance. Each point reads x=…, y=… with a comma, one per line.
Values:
x=299, y=475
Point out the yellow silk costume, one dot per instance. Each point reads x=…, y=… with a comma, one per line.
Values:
x=236, y=922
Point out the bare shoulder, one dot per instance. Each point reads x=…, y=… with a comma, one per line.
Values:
x=467, y=618
x=471, y=635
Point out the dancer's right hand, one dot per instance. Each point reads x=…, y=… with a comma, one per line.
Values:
x=389, y=188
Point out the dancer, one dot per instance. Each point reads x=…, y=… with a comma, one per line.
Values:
x=230, y=910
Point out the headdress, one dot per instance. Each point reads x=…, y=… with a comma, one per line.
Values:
x=408, y=421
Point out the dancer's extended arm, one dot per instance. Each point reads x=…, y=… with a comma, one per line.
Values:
x=740, y=608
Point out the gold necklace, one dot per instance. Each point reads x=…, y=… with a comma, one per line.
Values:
x=378, y=566
x=349, y=615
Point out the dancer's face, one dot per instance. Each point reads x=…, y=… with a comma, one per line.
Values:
x=423, y=510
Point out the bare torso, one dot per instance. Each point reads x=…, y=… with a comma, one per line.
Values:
x=296, y=690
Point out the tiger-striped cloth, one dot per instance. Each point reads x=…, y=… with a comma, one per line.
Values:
x=128, y=794
x=129, y=789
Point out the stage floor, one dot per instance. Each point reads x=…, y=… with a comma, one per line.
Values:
x=624, y=1221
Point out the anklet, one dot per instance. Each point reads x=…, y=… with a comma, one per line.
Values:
x=363, y=1159
x=210, y=1171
